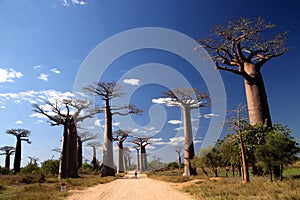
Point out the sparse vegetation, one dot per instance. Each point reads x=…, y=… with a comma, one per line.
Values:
x=202, y=187
x=25, y=186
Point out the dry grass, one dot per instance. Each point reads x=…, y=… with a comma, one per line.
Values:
x=231, y=188
x=13, y=187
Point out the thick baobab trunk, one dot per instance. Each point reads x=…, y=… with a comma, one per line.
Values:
x=188, y=143
x=63, y=163
x=258, y=107
x=142, y=158
x=108, y=163
x=79, y=152
x=68, y=160
x=17, y=161
x=72, y=150
x=120, y=163
x=7, y=161
x=138, y=160
x=179, y=160
x=94, y=159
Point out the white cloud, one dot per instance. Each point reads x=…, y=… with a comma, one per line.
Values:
x=179, y=128
x=210, y=115
x=32, y=96
x=176, y=140
x=116, y=124
x=8, y=75
x=18, y=122
x=97, y=122
x=38, y=67
x=2, y=107
x=72, y=2
x=80, y=2
x=132, y=81
x=38, y=115
x=166, y=101
x=175, y=122
x=43, y=77
x=39, y=121
x=54, y=70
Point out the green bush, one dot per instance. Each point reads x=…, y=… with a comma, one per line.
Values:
x=30, y=168
x=35, y=177
x=50, y=167
x=4, y=171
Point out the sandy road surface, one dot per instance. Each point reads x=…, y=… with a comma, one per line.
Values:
x=130, y=188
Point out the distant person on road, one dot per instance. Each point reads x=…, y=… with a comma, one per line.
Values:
x=135, y=173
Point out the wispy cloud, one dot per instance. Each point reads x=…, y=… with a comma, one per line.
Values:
x=175, y=122
x=177, y=140
x=72, y=2
x=37, y=67
x=166, y=101
x=32, y=96
x=179, y=128
x=210, y=115
x=132, y=81
x=43, y=77
x=19, y=122
x=55, y=70
x=8, y=75
x=97, y=123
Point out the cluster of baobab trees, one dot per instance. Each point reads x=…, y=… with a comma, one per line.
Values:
x=21, y=135
x=239, y=48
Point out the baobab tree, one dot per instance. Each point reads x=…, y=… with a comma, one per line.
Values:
x=60, y=113
x=242, y=49
x=120, y=136
x=137, y=148
x=142, y=142
x=81, y=138
x=33, y=160
x=94, y=146
x=127, y=157
x=7, y=151
x=21, y=135
x=178, y=149
x=188, y=99
x=108, y=91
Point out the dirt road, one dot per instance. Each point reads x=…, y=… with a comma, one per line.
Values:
x=130, y=188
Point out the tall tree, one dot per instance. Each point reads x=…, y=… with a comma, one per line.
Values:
x=67, y=112
x=82, y=138
x=120, y=136
x=188, y=99
x=7, y=151
x=137, y=148
x=242, y=49
x=108, y=91
x=238, y=123
x=21, y=135
x=94, y=146
x=178, y=149
x=142, y=142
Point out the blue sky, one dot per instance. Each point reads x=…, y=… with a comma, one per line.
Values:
x=44, y=44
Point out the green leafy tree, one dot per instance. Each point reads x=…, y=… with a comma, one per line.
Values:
x=50, y=167
x=279, y=149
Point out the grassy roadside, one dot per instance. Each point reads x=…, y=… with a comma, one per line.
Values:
x=20, y=187
x=225, y=188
